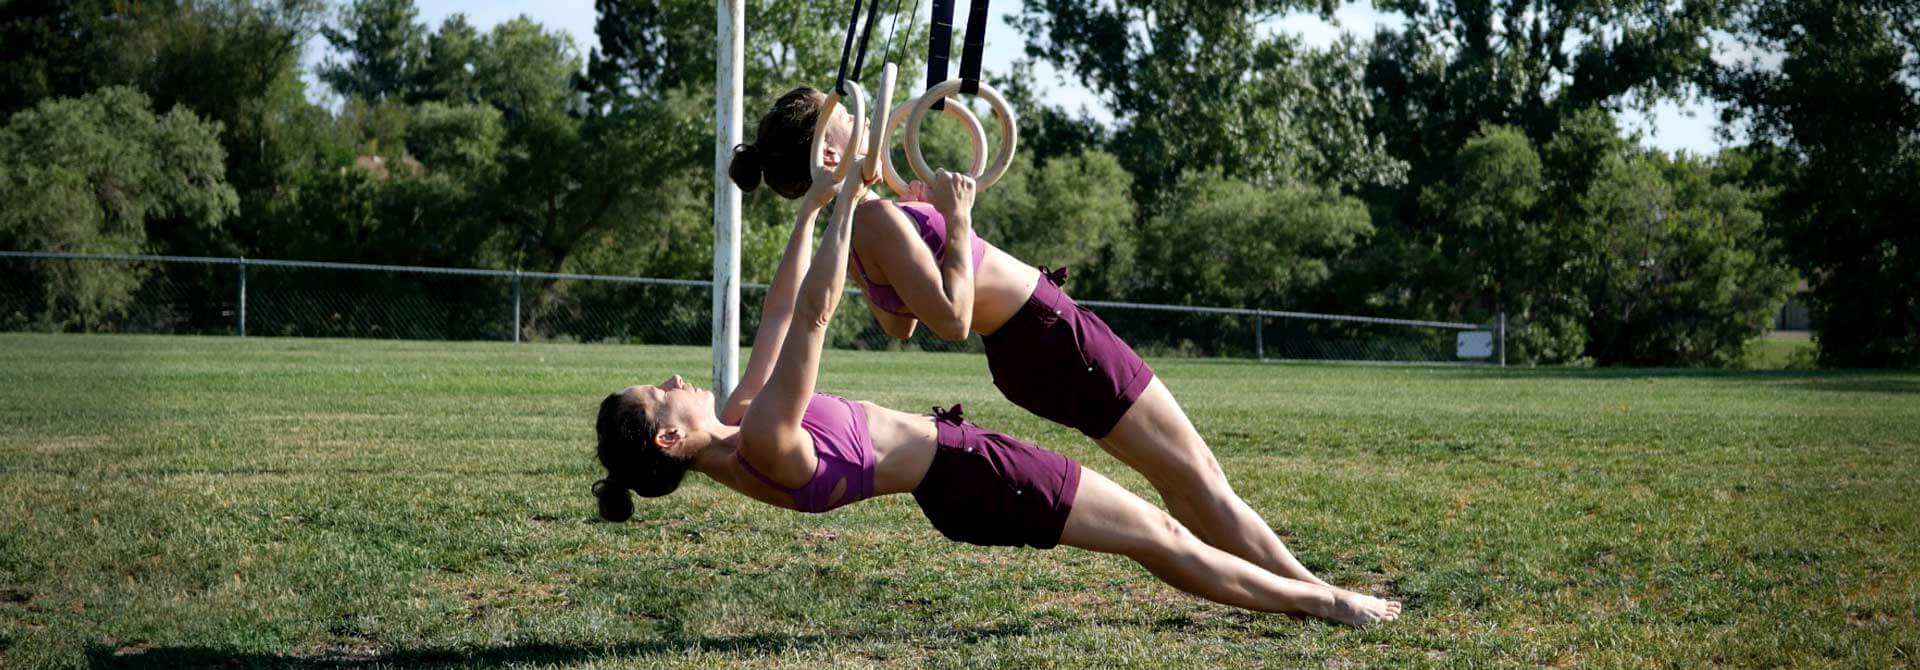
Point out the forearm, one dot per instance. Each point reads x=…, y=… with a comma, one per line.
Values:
x=956, y=279
x=794, y=262
x=776, y=313
x=821, y=289
x=789, y=382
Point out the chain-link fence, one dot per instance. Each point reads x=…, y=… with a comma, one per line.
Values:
x=246, y=297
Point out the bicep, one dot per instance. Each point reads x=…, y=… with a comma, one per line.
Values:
x=777, y=408
x=909, y=267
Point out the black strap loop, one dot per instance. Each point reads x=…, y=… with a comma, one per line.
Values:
x=873, y=13
x=939, y=46
x=846, y=50
x=976, y=42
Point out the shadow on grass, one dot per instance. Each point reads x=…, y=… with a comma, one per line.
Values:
x=99, y=656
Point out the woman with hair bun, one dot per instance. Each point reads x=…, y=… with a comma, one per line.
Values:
x=780, y=442
x=920, y=263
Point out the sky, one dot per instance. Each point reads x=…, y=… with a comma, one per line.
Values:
x=1671, y=126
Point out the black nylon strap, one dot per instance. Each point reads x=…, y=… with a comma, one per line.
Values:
x=873, y=13
x=846, y=50
x=939, y=46
x=976, y=42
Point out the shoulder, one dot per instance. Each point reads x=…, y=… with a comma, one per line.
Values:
x=876, y=209
x=884, y=217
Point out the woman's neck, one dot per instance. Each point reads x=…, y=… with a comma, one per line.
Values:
x=721, y=443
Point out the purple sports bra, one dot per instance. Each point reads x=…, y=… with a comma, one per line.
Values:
x=843, y=448
x=933, y=231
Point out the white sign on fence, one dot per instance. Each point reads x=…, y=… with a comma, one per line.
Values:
x=1473, y=344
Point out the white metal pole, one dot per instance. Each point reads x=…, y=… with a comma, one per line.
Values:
x=730, y=50
x=243, y=296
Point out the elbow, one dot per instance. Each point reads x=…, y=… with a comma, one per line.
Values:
x=733, y=413
x=816, y=314
x=952, y=330
x=816, y=311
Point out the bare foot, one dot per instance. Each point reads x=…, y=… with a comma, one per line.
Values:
x=1355, y=609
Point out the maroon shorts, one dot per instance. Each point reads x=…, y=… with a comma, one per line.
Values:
x=992, y=490
x=1060, y=362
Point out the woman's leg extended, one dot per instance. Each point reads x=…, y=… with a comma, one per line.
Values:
x=1155, y=438
x=1107, y=518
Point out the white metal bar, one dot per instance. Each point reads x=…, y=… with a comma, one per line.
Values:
x=1280, y=314
x=730, y=48
x=327, y=265
x=736, y=286
x=243, y=296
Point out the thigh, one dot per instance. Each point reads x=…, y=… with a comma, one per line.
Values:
x=1156, y=438
x=1108, y=518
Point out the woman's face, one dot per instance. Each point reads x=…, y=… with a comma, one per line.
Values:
x=675, y=404
x=837, y=134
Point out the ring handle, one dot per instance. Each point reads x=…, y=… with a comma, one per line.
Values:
x=1009, y=133
x=976, y=139
x=881, y=128
x=858, y=105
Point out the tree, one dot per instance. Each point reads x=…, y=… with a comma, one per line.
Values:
x=59, y=48
x=1197, y=86
x=238, y=62
x=649, y=48
x=1603, y=252
x=526, y=70
x=1454, y=69
x=1224, y=241
x=1687, y=275
x=1836, y=125
x=381, y=47
x=93, y=174
x=446, y=71
x=1072, y=212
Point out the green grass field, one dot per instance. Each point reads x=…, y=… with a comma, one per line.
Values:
x=318, y=503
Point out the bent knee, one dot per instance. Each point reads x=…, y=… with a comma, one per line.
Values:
x=1168, y=541
x=1200, y=483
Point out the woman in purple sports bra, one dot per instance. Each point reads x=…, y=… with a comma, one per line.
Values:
x=780, y=442
x=1047, y=354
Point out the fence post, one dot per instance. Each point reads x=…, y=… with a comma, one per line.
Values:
x=1503, y=339
x=516, y=304
x=243, y=296
x=1259, y=337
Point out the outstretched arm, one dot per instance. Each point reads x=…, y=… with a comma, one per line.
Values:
x=777, y=311
x=771, y=439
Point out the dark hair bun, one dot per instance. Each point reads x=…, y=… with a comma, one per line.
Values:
x=745, y=168
x=615, y=504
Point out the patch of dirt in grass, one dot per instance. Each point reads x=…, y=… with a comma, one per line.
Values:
x=1075, y=600
x=353, y=653
x=1864, y=619
x=68, y=443
x=1376, y=584
x=14, y=597
x=482, y=594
